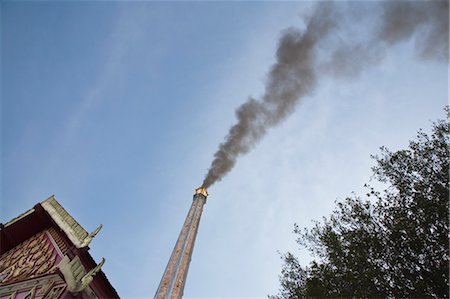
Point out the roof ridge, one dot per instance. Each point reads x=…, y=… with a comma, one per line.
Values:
x=74, y=231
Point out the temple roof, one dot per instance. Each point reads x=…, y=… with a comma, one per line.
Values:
x=74, y=231
x=49, y=214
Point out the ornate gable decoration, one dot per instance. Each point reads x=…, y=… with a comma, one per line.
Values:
x=32, y=258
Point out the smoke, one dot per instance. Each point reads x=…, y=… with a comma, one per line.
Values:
x=428, y=20
x=301, y=57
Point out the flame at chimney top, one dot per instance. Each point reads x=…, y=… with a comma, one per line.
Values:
x=201, y=190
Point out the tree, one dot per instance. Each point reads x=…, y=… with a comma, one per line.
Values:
x=392, y=243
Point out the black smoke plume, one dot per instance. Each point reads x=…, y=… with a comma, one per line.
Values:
x=301, y=57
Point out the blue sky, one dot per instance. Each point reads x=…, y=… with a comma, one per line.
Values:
x=118, y=107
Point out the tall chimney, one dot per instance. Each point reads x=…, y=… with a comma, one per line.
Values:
x=174, y=277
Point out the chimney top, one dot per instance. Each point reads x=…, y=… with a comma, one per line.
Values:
x=201, y=190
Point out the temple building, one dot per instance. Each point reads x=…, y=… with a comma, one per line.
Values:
x=44, y=253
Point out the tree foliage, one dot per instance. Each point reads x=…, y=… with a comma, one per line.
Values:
x=392, y=243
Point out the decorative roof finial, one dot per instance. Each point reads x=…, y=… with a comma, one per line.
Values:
x=87, y=279
x=88, y=239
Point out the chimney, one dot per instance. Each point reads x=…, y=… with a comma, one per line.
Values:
x=174, y=277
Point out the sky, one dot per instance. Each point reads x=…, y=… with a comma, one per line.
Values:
x=117, y=108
